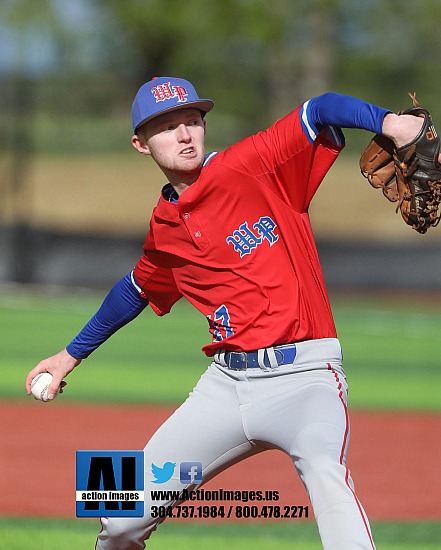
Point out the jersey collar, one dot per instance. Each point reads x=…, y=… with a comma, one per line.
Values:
x=170, y=194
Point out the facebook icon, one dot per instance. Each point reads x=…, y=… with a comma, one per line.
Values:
x=190, y=473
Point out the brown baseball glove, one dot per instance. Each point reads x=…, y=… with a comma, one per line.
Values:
x=409, y=175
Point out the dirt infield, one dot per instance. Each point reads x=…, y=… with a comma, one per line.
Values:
x=394, y=458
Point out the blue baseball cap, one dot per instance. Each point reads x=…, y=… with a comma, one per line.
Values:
x=163, y=94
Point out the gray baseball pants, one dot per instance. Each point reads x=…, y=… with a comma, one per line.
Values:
x=230, y=415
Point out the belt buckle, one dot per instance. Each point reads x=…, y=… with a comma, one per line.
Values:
x=244, y=357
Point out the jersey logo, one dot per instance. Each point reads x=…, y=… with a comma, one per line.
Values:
x=220, y=324
x=245, y=240
x=165, y=91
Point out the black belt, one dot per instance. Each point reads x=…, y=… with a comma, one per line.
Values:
x=265, y=359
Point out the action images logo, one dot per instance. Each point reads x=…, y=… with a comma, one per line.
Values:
x=110, y=483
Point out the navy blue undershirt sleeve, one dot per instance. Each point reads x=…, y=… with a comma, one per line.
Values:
x=340, y=111
x=121, y=305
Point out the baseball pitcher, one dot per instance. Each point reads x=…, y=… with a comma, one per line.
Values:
x=231, y=234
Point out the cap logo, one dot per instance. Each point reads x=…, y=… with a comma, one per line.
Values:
x=165, y=91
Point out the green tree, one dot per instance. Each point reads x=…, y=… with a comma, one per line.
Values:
x=258, y=58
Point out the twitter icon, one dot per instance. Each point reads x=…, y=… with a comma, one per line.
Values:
x=163, y=474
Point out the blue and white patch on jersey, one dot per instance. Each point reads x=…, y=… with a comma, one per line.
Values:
x=221, y=324
x=334, y=134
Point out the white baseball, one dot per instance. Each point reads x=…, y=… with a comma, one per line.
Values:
x=40, y=385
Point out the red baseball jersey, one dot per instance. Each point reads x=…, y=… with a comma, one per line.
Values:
x=238, y=243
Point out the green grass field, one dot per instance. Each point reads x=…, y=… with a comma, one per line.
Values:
x=18, y=534
x=391, y=352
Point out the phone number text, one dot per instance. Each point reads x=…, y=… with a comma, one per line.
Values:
x=237, y=512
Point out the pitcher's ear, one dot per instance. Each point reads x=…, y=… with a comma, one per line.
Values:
x=140, y=145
